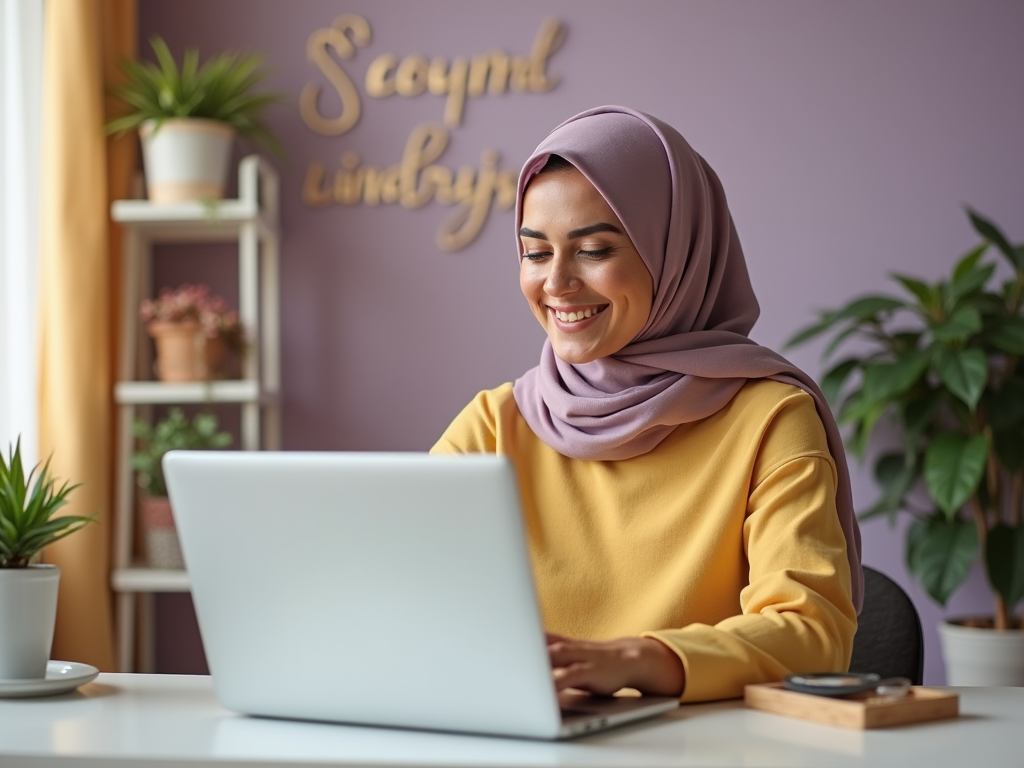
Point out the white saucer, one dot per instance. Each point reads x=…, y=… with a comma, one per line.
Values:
x=61, y=677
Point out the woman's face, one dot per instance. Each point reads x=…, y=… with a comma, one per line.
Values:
x=581, y=274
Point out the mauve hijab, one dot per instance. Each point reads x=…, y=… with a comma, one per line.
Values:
x=693, y=355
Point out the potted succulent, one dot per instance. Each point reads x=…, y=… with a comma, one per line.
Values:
x=193, y=331
x=943, y=362
x=175, y=432
x=28, y=591
x=188, y=116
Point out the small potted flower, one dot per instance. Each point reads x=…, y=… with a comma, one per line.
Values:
x=175, y=432
x=28, y=591
x=193, y=332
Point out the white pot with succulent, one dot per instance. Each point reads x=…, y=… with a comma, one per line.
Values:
x=28, y=590
x=188, y=118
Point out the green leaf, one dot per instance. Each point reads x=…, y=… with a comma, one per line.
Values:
x=939, y=553
x=838, y=339
x=884, y=381
x=963, y=371
x=809, y=332
x=865, y=429
x=970, y=283
x=953, y=466
x=968, y=262
x=918, y=413
x=927, y=295
x=895, y=473
x=1008, y=335
x=963, y=323
x=869, y=307
x=992, y=233
x=833, y=380
x=1004, y=558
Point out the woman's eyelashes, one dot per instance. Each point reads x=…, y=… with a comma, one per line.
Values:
x=598, y=253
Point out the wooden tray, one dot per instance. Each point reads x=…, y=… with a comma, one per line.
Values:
x=867, y=711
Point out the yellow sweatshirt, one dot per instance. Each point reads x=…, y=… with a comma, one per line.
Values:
x=723, y=542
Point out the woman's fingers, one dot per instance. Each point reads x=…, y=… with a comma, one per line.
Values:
x=590, y=666
x=604, y=667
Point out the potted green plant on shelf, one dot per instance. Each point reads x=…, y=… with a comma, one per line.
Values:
x=943, y=364
x=197, y=335
x=188, y=116
x=175, y=432
x=28, y=590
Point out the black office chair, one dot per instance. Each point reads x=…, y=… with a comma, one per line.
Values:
x=888, y=639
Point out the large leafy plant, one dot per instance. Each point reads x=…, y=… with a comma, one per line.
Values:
x=943, y=362
x=175, y=432
x=222, y=88
x=27, y=507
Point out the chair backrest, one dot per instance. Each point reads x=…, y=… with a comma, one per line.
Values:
x=889, y=639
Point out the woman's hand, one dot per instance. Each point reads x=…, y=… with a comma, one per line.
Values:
x=603, y=667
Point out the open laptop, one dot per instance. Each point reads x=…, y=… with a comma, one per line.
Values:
x=388, y=589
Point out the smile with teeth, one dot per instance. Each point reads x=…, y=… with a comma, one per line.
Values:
x=575, y=317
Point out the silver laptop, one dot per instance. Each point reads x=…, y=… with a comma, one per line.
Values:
x=389, y=589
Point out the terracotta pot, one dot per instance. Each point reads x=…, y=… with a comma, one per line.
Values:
x=215, y=358
x=186, y=159
x=179, y=350
x=159, y=535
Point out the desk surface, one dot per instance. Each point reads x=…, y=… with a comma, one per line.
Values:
x=171, y=720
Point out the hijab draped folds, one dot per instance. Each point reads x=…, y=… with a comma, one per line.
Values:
x=693, y=355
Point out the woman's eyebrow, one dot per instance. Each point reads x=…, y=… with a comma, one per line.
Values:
x=581, y=232
x=601, y=227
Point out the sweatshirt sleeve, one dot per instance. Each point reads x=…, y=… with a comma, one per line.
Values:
x=475, y=429
x=796, y=611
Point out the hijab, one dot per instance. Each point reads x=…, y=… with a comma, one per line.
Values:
x=694, y=354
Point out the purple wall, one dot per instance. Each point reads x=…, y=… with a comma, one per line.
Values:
x=848, y=137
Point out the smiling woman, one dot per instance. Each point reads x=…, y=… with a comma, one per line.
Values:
x=685, y=491
x=587, y=286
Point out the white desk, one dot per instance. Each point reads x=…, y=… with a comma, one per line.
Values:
x=170, y=721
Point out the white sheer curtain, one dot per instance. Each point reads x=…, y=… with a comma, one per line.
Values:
x=21, y=84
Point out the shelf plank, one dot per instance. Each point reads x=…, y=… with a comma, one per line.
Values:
x=189, y=221
x=155, y=392
x=143, y=579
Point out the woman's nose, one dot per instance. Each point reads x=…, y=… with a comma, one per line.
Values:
x=561, y=278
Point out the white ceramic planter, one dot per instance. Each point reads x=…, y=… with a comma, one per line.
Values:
x=28, y=611
x=186, y=159
x=982, y=656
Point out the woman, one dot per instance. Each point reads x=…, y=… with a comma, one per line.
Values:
x=686, y=494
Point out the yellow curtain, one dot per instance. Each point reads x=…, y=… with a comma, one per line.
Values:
x=82, y=171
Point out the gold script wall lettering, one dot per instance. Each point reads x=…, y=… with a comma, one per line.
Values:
x=318, y=47
x=417, y=179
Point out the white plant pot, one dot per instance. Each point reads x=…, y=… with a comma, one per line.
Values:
x=186, y=159
x=28, y=611
x=977, y=656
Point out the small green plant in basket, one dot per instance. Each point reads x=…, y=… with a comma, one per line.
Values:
x=27, y=508
x=943, y=362
x=175, y=432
